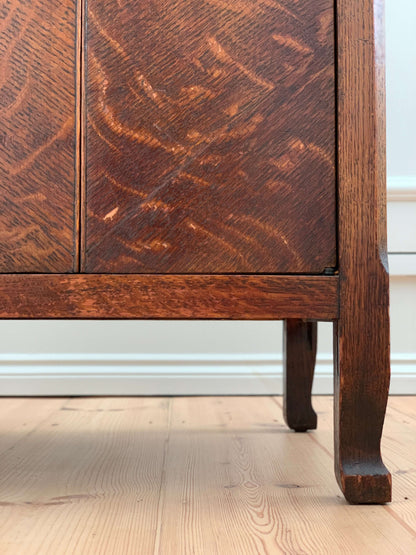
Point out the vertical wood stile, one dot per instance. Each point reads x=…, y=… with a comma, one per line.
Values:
x=361, y=340
x=78, y=135
x=82, y=124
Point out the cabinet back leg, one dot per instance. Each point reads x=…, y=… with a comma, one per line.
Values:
x=299, y=348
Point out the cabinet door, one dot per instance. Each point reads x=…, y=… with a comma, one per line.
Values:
x=37, y=136
x=210, y=140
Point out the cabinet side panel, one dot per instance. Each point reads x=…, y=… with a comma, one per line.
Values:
x=210, y=136
x=37, y=136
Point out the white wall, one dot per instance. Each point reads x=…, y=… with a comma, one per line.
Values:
x=401, y=170
x=401, y=87
x=41, y=357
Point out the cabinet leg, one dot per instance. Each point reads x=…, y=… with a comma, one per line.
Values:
x=362, y=375
x=299, y=347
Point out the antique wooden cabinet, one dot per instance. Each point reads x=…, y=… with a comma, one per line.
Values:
x=206, y=159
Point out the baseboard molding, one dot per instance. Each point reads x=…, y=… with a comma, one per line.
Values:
x=401, y=188
x=50, y=375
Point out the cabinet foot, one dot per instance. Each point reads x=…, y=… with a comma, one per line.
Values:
x=299, y=349
x=362, y=375
x=364, y=482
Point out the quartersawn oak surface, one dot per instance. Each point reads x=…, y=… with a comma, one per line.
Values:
x=210, y=142
x=37, y=136
x=361, y=334
x=169, y=296
x=202, y=475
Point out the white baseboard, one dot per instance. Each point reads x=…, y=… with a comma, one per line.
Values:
x=48, y=375
x=401, y=188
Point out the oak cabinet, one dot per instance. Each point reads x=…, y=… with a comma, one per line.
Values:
x=188, y=159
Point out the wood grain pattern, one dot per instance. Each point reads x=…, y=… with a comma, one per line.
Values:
x=209, y=149
x=200, y=475
x=299, y=356
x=169, y=297
x=37, y=136
x=74, y=429
x=361, y=339
x=211, y=137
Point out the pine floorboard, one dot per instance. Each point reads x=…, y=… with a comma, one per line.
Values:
x=190, y=475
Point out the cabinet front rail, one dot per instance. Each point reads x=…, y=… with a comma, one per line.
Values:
x=145, y=296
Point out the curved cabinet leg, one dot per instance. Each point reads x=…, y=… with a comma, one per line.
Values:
x=362, y=366
x=362, y=375
x=299, y=347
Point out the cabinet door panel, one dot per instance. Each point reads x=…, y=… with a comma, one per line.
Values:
x=37, y=136
x=210, y=136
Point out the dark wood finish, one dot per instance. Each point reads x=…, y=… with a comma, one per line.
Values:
x=169, y=297
x=37, y=136
x=299, y=355
x=362, y=362
x=205, y=135
x=211, y=137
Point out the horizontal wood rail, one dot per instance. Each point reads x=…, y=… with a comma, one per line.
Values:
x=144, y=296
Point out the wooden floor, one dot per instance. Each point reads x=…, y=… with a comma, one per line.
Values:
x=194, y=475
